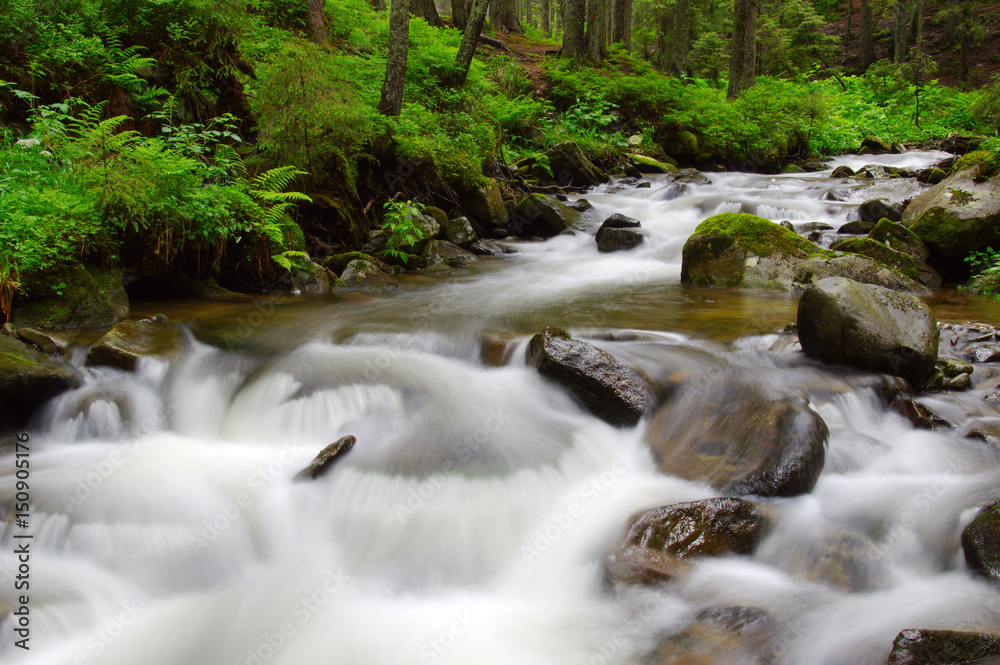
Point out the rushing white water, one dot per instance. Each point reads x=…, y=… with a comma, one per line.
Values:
x=472, y=519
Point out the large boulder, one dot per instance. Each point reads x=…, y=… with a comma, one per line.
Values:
x=368, y=275
x=841, y=321
x=89, y=297
x=609, y=389
x=738, y=249
x=956, y=217
x=981, y=542
x=644, y=164
x=873, y=249
x=740, y=440
x=618, y=232
x=124, y=344
x=540, y=216
x=873, y=145
x=460, y=232
x=438, y=252
x=486, y=211
x=27, y=379
x=570, y=166
x=873, y=210
x=943, y=647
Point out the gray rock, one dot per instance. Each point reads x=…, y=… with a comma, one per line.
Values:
x=438, y=252
x=460, y=232
x=874, y=210
x=325, y=460
x=606, y=387
x=841, y=321
x=616, y=221
x=944, y=647
x=981, y=543
x=486, y=211
x=614, y=240
x=842, y=172
x=540, y=216
x=28, y=378
x=856, y=228
x=712, y=527
x=370, y=276
x=126, y=342
x=571, y=167
x=489, y=247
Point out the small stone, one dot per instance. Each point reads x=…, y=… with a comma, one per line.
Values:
x=325, y=460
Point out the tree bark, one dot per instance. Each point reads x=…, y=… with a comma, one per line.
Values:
x=865, y=36
x=426, y=10
x=917, y=24
x=470, y=38
x=628, y=25
x=964, y=37
x=391, y=101
x=850, y=15
x=596, y=35
x=503, y=13
x=899, y=24
x=459, y=14
x=574, y=45
x=379, y=5
x=316, y=21
x=544, y=11
x=743, y=54
x=681, y=43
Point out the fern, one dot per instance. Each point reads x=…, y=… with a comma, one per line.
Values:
x=275, y=204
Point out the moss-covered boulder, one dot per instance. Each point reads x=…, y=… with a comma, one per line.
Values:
x=338, y=262
x=126, y=342
x=486, y=211
x=842, y=171
x=901, y=239
x=644, y=164
x=438, y=215
x=28, y=378
x=873, y=210
x=442, y=252
x=789, y=169
x=873, y=145
x=737, y=249
x=87, y=297
x=605, y=386
x=881, y=253
x=931, y=176
x=459, y=231
x=844, y=322
x=570, y=166
x=981, y=543
x=943, y=647
x=540, y=216
x=734, y=436
x=956, y=217
x=368, y=275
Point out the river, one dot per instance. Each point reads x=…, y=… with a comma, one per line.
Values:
x=472, y=519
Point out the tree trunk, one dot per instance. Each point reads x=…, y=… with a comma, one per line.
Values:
x=316, y=21
x=917, y=23
x=426, y=10
x=527, y=12
x=963, y=50
x=850, y=15
x=743, y=54
x=596, y=49
x=391, y=102
x=459, y=14
x=681, y=43
x=574, y=45
x=503, y=13
x=378, y=5
x=470, y=38
x=865, y=36
x=899, y=23
x=544, y=12
x=628, y=25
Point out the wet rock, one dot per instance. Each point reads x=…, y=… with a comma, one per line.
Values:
x=460, y=232
x=644, y=164
x=737, y=620
x=741, y=441
x=814, y=226
x=712, y=527
x=488, y=247
x=45, y=342
x=981, y=543
x=543, y=217
x=609, y=389
x=486, y=211
x=984, y=353
x=635, y=565
x=843, y=171
x=442, y=252
x=571, y=167
x=869, y=327
x=90, y=297
x=951, y=374
x=931, y=176
x=855, y=267
x=873, y=249
x=813, y=165
x=126, y=342
x=856, y=228
x=943, y=647
x=874, y=210
x=690, y=176
x=325, y=460
x=495, y=350
x=956, y=217
x=901, y=239
x=788, y=225
x=581, y=205
x=614, y=240
x=919, y=415
x=645, y=184
x=368, y=275
x=616, y=221
x=438, y=215
x=28, y=378
x=338, y=262
x=849, y=561
x=309, y=277
x=872, y=145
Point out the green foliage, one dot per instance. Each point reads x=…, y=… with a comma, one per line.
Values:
x=403, y=232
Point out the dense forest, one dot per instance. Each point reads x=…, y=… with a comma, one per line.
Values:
x=248, y=142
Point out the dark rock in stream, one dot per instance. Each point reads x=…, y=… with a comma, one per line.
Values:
x=868, y=327
x=874, y=210
x=28, y=378
x=541, y=216
x=842, y=171
x=944, y=647
x=459, y=231
x=367, y=275
x=618, y=232
x=981, y=543
x=856, y=228
x=90, y=296
x=609, y=389
x=124, y=344
x=487, y=247
x=326, y=459
x=732, y=435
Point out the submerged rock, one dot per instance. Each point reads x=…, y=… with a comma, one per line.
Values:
x=325, y=460
x=919, y=415
x=606, y=387
x=124, y=344
x=712, y=527
x=842, y=171
x=738, y=439
x=869, y=327
x=943, y=647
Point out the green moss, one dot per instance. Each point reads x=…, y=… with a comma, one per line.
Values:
x=901, y=263
x=758, y=236
x=338, y=262
x=960, y=196
x=793, y=168
x=970, y=160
